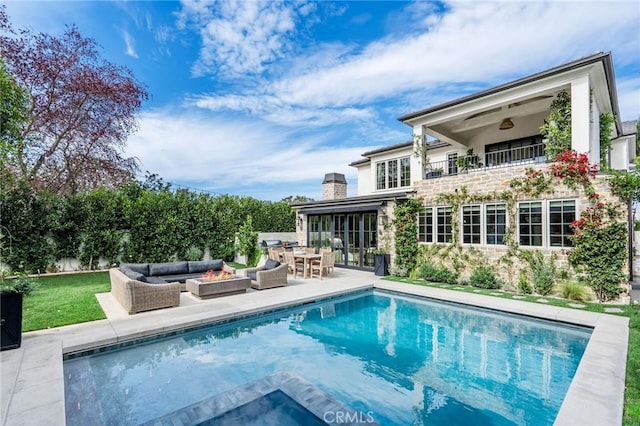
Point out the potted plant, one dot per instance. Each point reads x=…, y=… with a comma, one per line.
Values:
x=381, y=258
x=434, y=173
x=469, y=161
x=11, y=293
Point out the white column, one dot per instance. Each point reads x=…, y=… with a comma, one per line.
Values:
x=580, y=117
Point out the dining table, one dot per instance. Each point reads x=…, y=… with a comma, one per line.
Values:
x=307, y=259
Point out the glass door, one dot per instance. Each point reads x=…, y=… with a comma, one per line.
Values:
x=314, y=228
x=353, y=237
x=325, y=232
x=339, y=237
x=370, y=241
x=452, y=163
x=353, y=240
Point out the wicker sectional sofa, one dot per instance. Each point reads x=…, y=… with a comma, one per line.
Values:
x=141, y=287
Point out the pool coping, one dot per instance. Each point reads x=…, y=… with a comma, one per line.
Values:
x=32, y=377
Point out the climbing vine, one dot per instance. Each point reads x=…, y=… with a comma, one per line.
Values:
x=406, y=231
x=590, y=255
x=606, y=121
x=557, y=126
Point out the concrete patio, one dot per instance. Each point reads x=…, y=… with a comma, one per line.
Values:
x=32, y=387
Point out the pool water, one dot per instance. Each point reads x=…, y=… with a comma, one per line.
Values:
x=392, y=358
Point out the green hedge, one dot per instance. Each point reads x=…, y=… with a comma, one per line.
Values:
x=135, y=223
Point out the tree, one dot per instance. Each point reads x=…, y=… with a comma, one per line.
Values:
x=14, y=106
x=248, y=242
x=293, y=199
x=81, y=111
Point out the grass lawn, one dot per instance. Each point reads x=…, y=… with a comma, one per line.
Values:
x=65, y=299
x=632, y=388
x=70, y=299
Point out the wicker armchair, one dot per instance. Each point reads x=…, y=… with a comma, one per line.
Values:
x=136, y=296
x=267, y=278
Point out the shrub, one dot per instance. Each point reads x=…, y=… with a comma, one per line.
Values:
x=524, y=286
x=543, y=272
x=484, y=277
x=439, y=274
x=21, y=284
x=573, y=291
x=194, y=253
x=398, y=271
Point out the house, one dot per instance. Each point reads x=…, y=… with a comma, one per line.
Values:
x=471, y=148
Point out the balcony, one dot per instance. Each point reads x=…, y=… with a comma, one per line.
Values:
x=455, y=165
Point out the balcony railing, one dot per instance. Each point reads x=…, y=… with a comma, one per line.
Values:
x=455, y=165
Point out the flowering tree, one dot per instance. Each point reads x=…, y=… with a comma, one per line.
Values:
x=81, y=110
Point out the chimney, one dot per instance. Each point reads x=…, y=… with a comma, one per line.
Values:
x=334, y=186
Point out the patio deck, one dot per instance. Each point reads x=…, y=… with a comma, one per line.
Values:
x=32, y=378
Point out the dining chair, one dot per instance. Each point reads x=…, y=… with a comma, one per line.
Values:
x=294, y=265
x=322, y=265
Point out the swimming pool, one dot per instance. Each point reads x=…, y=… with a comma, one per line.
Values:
x=400, y=360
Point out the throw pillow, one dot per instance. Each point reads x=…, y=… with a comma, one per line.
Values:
x=270, y=264
x=143, y=268
x=133, y=274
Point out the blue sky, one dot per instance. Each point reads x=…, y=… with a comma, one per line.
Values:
x=262, y=98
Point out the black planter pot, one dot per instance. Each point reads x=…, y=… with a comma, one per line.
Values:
x=10, y=321
x=381, y=265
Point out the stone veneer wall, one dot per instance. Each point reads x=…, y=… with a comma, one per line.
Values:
x=334, y=191
x=486, y=182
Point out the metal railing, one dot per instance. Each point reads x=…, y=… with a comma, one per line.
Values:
x=504, y=158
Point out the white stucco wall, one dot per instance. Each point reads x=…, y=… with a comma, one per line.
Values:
x=364, y=180
x=620, y=154
x=367, y=172
x=581, y=118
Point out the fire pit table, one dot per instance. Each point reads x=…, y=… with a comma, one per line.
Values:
x=203, y=288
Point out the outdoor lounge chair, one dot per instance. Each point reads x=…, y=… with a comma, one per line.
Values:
x=272, y=274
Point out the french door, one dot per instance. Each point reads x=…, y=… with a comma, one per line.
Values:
x=352, y=236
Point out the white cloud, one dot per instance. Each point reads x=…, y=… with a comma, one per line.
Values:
x=629, y=98
x=224, y=152
x=473, y=42
x=130, y=44
x=464, y=46
x=242, y=37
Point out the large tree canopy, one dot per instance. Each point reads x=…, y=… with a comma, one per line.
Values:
x=82, y=109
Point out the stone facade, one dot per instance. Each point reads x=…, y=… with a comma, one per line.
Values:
x=487, y=182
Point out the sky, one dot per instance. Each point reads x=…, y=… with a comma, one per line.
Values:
x=263, y=98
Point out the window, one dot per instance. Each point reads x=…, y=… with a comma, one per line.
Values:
x=393, y=174
x=444, y=224
x=425, y=225
x=496, y=223
x=471, y=224
x=405, y=172
x=381, y=176
x=561, y=214
x=530, y=223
